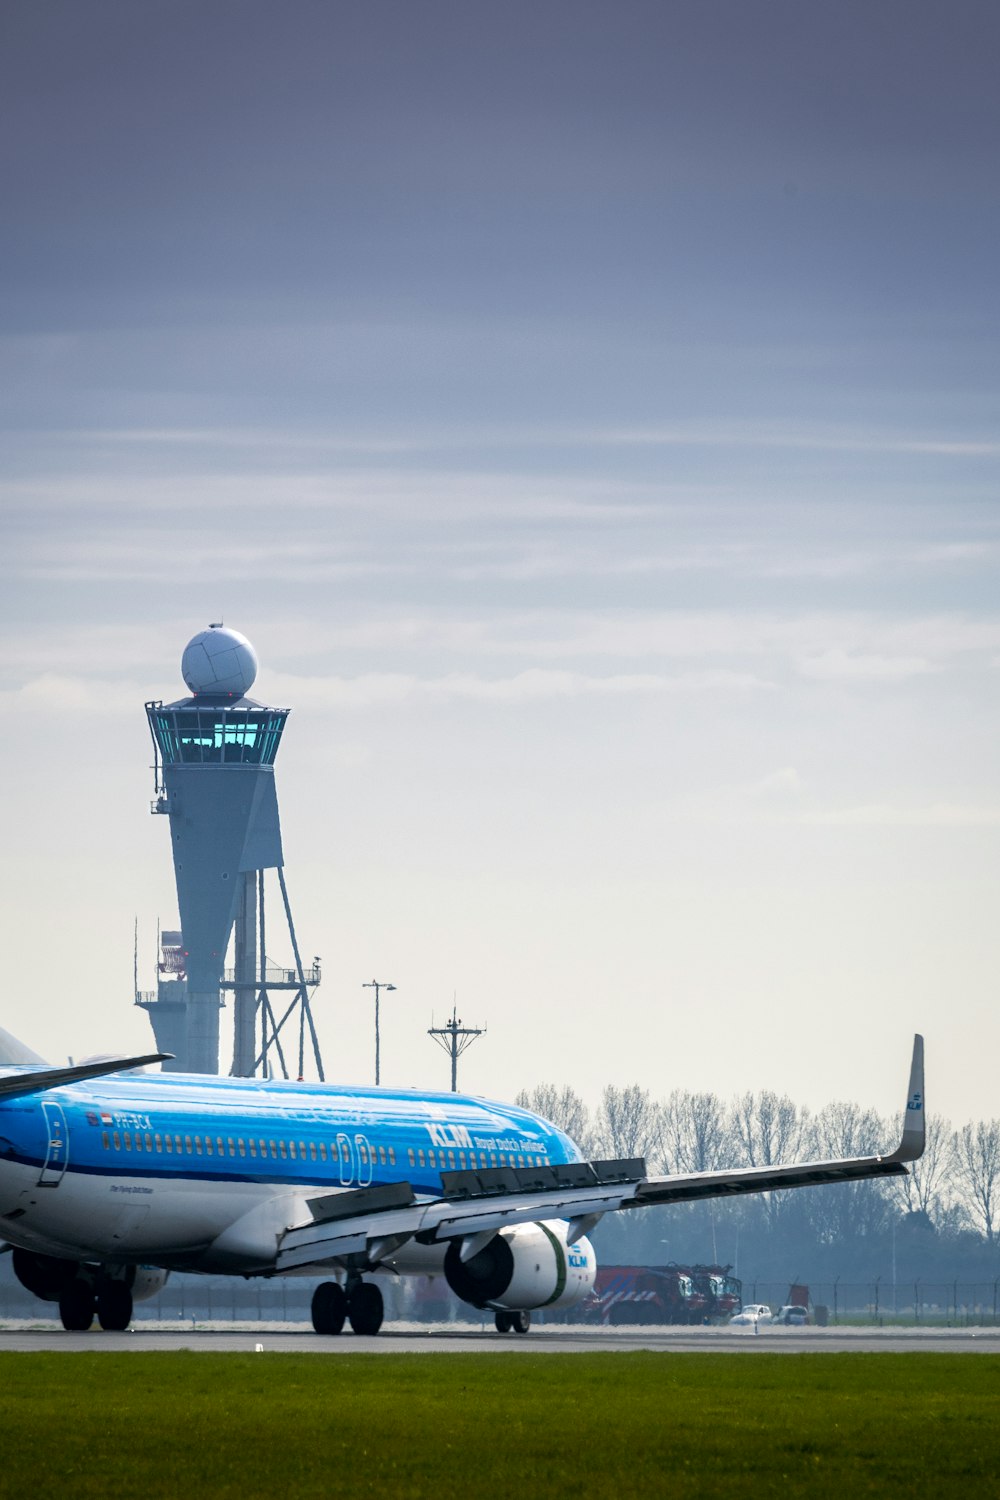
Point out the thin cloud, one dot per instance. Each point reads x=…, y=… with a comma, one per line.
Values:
x=885, y=815
x=535, y=685
x=817, y=440
x=838, y=665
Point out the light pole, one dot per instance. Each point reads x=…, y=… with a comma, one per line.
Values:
x=377, y=985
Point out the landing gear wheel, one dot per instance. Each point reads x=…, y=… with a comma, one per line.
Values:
x=365, y=1308
x=329, y=1307
x=503, y=1321
x=76, y=1307
x=114, y=1307
x=520, y=1322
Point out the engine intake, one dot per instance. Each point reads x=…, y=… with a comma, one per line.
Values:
x=523, y=1268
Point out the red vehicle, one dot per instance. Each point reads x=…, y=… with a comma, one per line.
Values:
x=663, y=1294
x=723, y=1293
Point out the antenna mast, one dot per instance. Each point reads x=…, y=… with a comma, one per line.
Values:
x=455, y=1038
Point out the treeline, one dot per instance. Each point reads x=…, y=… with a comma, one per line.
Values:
x=943, y=1219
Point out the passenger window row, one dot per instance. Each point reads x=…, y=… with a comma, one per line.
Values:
x=450, y=1160
x=269, y=1148
x=255, y=1147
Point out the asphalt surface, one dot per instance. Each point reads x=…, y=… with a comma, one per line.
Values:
x=458, y=1339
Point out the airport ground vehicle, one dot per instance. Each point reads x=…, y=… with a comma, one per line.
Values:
x=663, y=1294
x=792, y=1315
x=722, y=1292
x=753, y=1312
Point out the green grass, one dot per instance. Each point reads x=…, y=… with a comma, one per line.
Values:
x=287, y=1425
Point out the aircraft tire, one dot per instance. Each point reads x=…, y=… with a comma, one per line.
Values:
x=114, y=1307
x=520, y=1322
x=76, y=1306
x=503, y=1322
x=365, y=1308
x=329, y=1307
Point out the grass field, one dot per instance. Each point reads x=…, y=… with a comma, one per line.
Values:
x=285, y=1425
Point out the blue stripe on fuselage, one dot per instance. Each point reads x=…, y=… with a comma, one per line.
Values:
x=359, y=1129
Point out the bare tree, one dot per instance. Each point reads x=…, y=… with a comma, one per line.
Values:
x=847, y=1210
x=768, y=1129
x=924, y=1189
x=628, y=1123
x=976, y=1165
x=696, y=1135
x=565, y=1109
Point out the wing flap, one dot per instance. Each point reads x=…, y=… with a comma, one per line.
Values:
x=439, y=1220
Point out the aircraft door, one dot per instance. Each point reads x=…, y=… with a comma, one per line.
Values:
x=364, y=1150
x=344, y=1157
x=56, y=1144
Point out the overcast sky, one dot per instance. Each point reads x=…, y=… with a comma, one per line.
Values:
x=590, y=412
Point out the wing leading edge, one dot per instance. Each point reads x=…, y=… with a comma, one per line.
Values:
x=353, y=1228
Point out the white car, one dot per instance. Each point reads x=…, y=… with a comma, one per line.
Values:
x=753, y=1312
x=793, y=1315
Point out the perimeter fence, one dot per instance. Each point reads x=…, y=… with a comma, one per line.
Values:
x=887, y=1303
x=187, y=1298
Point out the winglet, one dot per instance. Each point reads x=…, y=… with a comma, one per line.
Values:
x=911, y=1147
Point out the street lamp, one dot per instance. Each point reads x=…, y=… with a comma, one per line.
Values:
x=377, y=985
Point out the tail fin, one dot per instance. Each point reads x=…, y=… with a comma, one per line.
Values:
x=15, y=1054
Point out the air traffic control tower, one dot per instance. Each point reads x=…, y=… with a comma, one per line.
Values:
x=215, y=781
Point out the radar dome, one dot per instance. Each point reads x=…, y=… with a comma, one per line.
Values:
x=219, y=662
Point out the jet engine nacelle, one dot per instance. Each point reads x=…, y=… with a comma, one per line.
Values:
x=48, y=1278
x=523, y=1268
x=45, y=1276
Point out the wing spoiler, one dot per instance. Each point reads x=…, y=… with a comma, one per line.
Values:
x=480, y=1203
x=38, y=1080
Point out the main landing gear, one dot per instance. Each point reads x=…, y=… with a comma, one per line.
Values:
x=112, y=1301
x=361, y=1305
x=513, y=1322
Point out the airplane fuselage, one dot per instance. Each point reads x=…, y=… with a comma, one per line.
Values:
x=205, y=1174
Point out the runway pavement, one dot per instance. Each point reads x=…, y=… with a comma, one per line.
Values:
x=409, y=1338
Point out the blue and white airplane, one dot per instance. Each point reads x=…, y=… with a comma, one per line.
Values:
x=110, y=1178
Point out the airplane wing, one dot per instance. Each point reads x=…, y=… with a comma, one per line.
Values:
x=37, y=1080
x=366, y=1225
